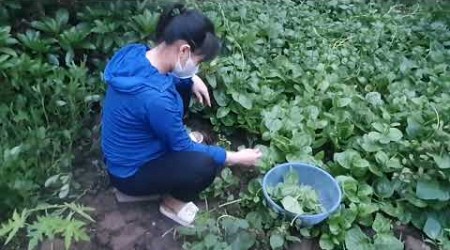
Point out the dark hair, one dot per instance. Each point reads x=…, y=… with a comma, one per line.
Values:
x=178, y=23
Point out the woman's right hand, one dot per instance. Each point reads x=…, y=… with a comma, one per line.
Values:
x=245, y=157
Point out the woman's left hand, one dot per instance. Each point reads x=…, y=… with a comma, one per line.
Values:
x=200, y=91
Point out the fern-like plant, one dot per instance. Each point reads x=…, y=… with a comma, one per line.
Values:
x=48, y=221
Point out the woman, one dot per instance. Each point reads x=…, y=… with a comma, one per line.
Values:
x=146, y=147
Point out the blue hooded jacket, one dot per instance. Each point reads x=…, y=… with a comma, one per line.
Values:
x=142, y=114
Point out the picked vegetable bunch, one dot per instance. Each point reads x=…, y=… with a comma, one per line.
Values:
x=294, y=197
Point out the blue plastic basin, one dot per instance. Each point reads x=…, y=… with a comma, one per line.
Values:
x=327, y=187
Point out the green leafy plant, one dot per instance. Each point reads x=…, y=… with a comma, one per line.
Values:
x=32, y=40
x=222, y=186
x=50, y=221
x=311, y=86
x=357, y=239
x=53, y=25
x=5, y=37
x=145, y=23
x=227, y=232
x=75, y=38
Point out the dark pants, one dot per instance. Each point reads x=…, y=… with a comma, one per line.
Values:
x=182, y=174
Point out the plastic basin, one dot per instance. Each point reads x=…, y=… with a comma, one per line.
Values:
x=327, y=187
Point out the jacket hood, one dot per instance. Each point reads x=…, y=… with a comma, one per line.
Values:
x=129, y=71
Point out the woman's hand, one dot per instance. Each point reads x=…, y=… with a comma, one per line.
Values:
x=246, y=157
x=200, y=91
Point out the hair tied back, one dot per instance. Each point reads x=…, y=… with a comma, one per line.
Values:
x=177, y=10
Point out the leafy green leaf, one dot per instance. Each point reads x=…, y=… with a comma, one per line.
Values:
x=345, y=159
x=233, y=225
x=395, y=134
x=80, y=210
x=254, y=219
x=291, y=178
x=53, y=59
x=211, y=81
x=374, y=98
x=431, y=190
x=274, y=125
x=243, y=99
x=357, y=240
x=349, y=216
x=387, y=241
x=64, y=191
x=220, y=98
x=442, y=161
x=62, y=16
x=406, y=65
x=381, y=157
x=222, y=112
x=74, y=231
x=342, y=102
x=69, y=57
x=276, y=241
x=243, y=241
x=414, y=127
x=350, y=188
x=13, y=225
x=325, y=242
x=293, y=238
x=291, y=204
x=364, y=191
x=210, y=240
x=432, y=228
x=370, y=143
x=384, y=188
x=414, y=200
x=44, y=226
x=381, y=224
x=51, y=180
x=366, y=209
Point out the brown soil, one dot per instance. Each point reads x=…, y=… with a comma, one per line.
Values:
x=118, y=226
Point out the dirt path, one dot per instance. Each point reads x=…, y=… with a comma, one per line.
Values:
x=120, y=226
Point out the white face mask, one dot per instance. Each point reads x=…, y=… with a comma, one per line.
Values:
x=188, y=71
